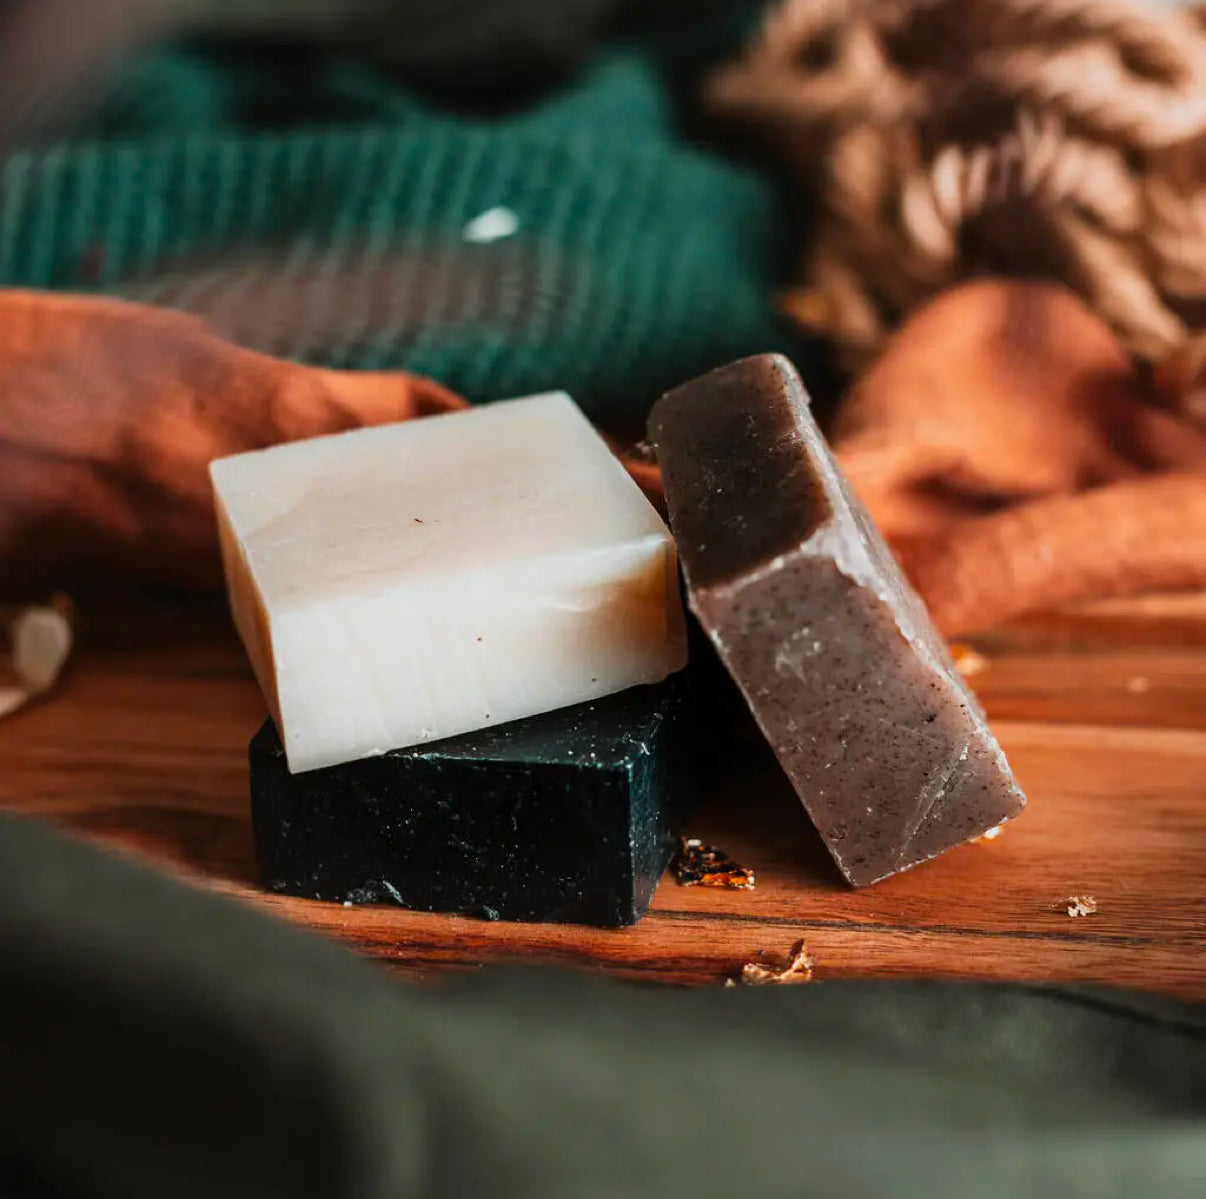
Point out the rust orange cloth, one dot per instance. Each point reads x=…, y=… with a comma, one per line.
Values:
x=109, y=416
x=1003, y=442
x=1011, y=453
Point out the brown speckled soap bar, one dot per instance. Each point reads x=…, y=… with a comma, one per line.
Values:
x=834, y=652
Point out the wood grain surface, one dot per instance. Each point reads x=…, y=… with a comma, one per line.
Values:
x=1102, y=712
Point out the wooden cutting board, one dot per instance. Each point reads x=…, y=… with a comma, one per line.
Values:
x=1102, y=712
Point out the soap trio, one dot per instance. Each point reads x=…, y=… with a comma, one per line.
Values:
x=470, y=635
x=850, y=682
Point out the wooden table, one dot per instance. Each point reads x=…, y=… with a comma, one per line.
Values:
x=1102, y=712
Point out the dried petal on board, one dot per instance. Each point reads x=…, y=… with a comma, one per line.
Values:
x=700, y=865
x=1081, y=905
x=798, y=969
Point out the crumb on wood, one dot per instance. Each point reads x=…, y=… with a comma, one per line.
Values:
x=797, y=970
x=990, y=834
x=39, y=640
x=1081, y=905
x=700, y=865
x=968, y=661
x=644, y=451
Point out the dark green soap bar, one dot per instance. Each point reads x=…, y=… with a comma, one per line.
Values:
x=569, y=816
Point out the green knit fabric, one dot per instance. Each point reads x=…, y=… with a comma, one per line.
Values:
x=316, y=209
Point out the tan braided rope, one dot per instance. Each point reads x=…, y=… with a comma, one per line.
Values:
x=946, y=138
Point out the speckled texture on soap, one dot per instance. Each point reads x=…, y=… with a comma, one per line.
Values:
x=570, y=816
x=835, y=654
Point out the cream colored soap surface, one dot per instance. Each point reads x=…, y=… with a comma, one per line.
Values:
x=404, y=583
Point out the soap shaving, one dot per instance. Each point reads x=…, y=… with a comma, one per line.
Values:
x=40, y=640
x=798, y=969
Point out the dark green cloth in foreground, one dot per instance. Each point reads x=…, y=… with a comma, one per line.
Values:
x=312, y=206
x=158, y=1041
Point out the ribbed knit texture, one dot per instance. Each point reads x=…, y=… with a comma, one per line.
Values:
x=636, y=261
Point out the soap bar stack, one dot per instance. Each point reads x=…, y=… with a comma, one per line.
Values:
x=466, y=629
x=400, y=588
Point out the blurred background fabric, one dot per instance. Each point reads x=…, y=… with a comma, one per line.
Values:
x=516, y=197
x=471, y=191
x=944, y=139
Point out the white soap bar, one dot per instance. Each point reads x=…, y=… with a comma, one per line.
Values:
x=399, y=584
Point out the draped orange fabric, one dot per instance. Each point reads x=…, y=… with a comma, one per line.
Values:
x=1011, y=453
x=1003, y=441
x=109, y=416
